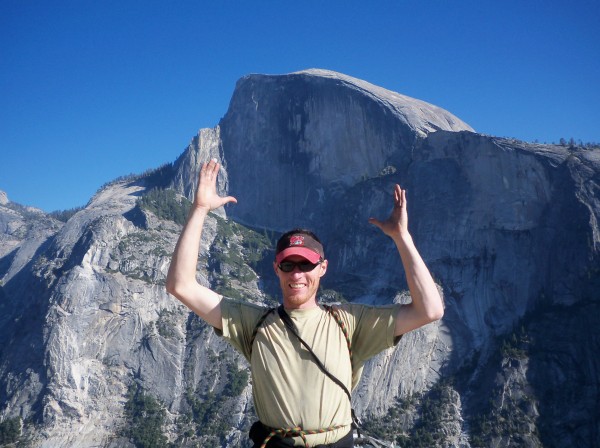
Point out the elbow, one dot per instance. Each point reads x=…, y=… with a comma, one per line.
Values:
x=171, y=286
x=178, y=288
x=435, y=310
x=436, y=314
x=430, y=317
x=174, y=283
x=170, y=289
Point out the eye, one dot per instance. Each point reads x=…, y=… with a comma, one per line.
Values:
x=306, y=266
x=287, y=266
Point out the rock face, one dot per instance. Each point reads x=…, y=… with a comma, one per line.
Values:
x=508, y=229
x=325, y=132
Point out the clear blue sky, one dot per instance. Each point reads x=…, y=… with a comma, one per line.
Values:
x=92, y=90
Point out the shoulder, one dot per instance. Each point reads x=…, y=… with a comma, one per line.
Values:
x=358, y=315
x=241, y=309
x=371, y=328
x=358, y=309
x=240, y=321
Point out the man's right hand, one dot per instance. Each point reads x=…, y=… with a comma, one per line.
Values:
x=207, y=197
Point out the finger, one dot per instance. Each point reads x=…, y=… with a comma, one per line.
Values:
x=213, y=168
x=404, y=198
x=397, y=196
x=208, y=168
x=202, y=173
x=375, y=222
x=226, y=200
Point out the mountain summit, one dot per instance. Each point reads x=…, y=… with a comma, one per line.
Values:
x=418, y=115
x=323, y=130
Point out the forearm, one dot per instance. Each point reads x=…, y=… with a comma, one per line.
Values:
x=185, y=257
x=426, y=305
x=181, y=279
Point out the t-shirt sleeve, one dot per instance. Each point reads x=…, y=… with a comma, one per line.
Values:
x=372, y=330
x=239, y=320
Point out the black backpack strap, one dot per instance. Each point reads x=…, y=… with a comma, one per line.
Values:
x=257, y=326
x=336, y=316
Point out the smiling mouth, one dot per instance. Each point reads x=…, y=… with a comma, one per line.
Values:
x=296, y=285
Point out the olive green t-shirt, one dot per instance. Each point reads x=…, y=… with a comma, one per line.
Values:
x=289, y=389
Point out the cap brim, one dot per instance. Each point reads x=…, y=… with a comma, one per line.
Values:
x=303, y=252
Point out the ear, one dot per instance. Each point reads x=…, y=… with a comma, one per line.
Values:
x=275, y=268
x=323, y=268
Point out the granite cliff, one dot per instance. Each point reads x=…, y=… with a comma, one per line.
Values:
x=91, y=340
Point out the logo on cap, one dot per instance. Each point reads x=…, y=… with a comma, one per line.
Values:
x=297, y=240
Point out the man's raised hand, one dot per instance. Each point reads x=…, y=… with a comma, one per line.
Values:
x=207, y=197
x=397, y=223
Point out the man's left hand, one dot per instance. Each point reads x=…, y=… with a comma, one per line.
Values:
x=397, y=223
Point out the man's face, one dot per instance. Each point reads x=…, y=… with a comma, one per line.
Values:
x=299, y=289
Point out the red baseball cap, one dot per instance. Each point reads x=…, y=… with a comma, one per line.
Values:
x=299, y=244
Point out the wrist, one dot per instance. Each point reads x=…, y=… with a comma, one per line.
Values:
x=198, y=209
x=403, y=238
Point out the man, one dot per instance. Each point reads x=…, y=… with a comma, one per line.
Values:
x=296, y=402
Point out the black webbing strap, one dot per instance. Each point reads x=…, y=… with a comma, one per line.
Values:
x=287, y=320
x=257, y=326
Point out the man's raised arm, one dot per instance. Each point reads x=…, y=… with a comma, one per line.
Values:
x=426, y=305
x=181, y=279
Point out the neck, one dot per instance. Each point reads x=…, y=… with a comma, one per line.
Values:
x=300, y=306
